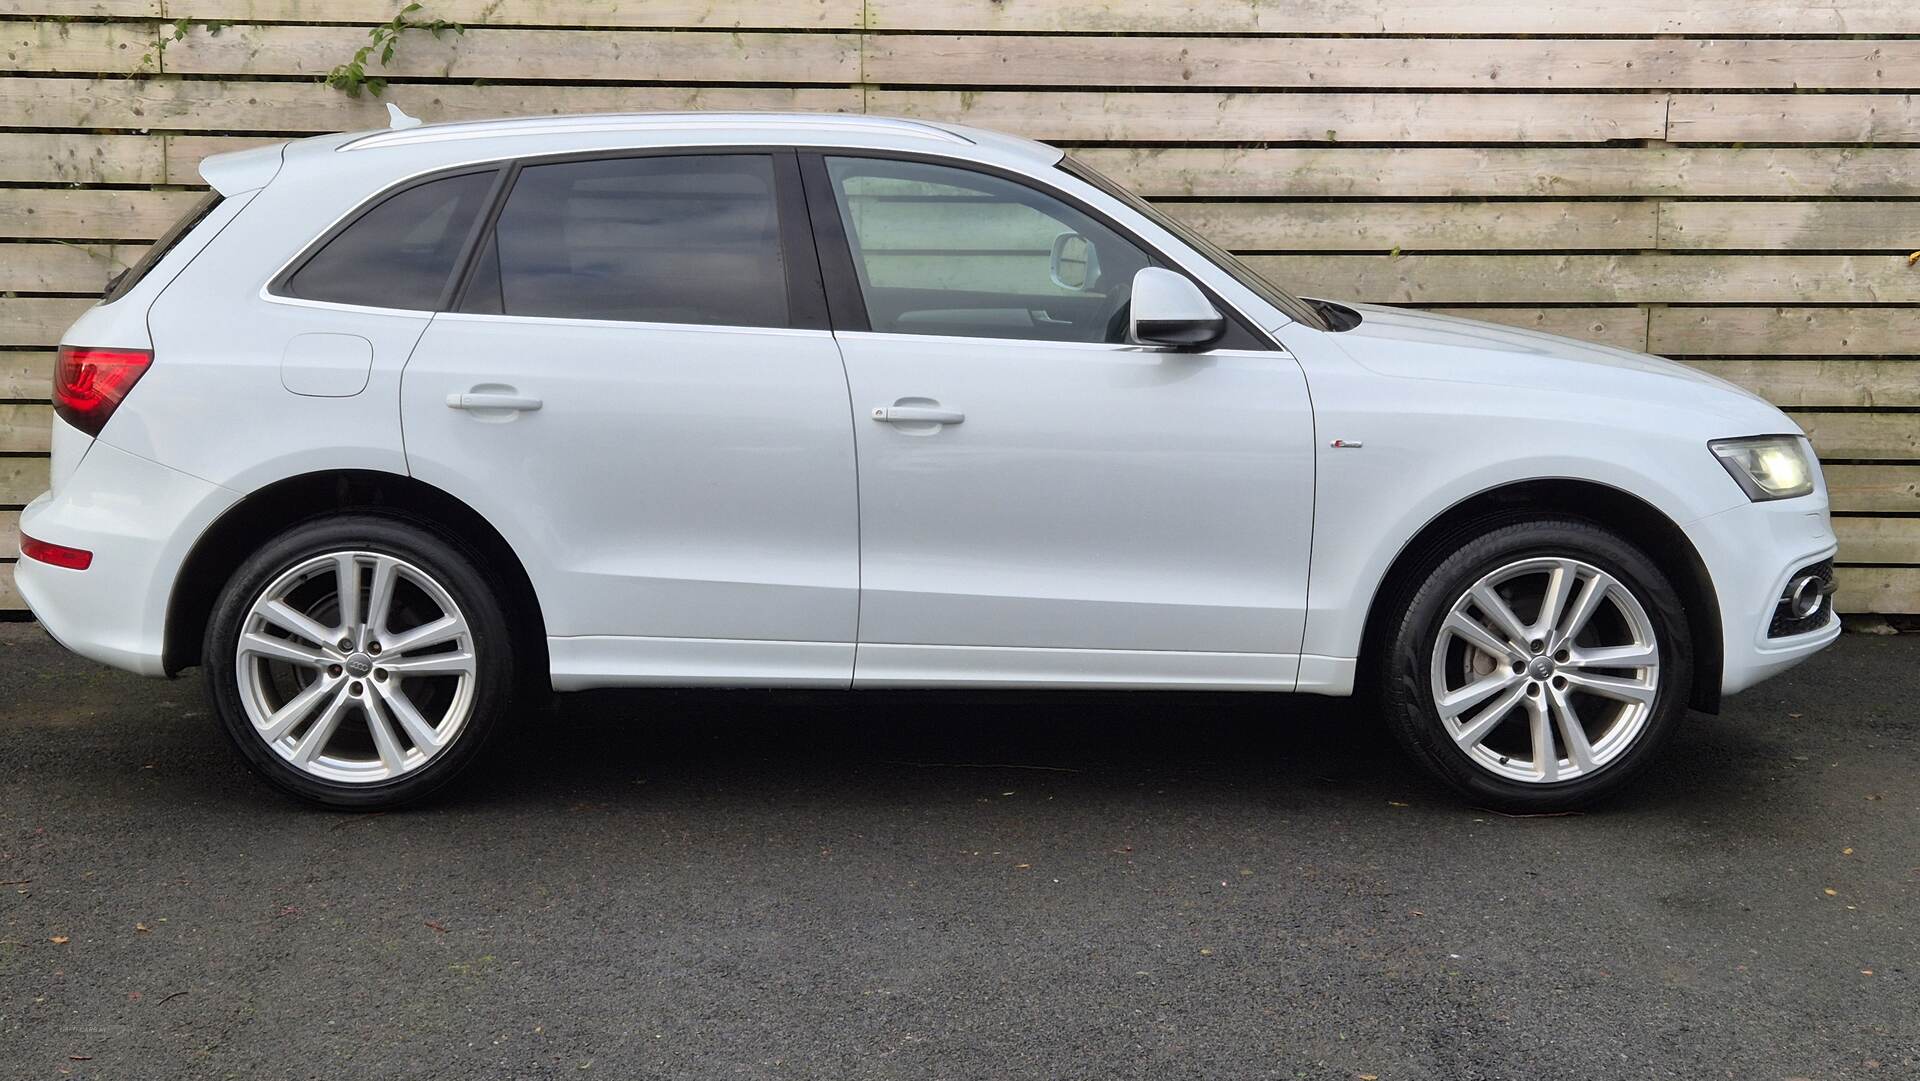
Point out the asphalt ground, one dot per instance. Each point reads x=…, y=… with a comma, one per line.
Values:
x=756, y=884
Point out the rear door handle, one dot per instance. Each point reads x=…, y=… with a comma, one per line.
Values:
x=916, y=414
x=472, y=400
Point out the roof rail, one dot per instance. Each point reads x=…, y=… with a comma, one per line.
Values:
x=648, y=122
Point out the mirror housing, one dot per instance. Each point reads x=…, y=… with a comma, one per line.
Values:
x=1075, y=262
x=1170, y=310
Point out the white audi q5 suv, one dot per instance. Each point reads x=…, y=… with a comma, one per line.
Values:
x=398, y=428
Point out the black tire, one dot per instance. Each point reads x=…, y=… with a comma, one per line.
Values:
x=1407, y=691
x=452, y=567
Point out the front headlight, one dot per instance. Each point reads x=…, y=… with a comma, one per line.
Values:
x=1767, y=466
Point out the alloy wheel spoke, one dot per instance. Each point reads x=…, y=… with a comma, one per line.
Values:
x=1546, y=761
x=386, y=571
x=1459, y=701
x=1471, y=630
x=418, y=730
x=289, y=716
x=1560, y=585
x=1488, y=719
x=444, y=629
x=458, y=663
x=316, y=737
x=347, y=568
x=1495, y=606
x=282, y=615
x=384, y=741
x=1582, y=613
x=1572, y=732
x=280, y=649
x=1624, y=690
x=1632, y=655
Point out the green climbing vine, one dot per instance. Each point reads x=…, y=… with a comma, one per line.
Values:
x=352, y=78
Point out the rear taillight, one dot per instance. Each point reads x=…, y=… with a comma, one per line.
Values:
x=59, y=555
x=89, y=384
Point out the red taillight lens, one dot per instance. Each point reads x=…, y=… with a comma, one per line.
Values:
x=74, y=559
x=89, y=384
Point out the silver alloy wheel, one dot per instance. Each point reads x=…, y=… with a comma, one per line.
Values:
x=356, y=667
x=1545, y=670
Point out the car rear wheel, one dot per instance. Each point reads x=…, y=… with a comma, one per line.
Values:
x=1540, y=666
x=359, y=661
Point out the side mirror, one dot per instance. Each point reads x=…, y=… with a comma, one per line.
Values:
x=1075, y=263
x=1170, y=310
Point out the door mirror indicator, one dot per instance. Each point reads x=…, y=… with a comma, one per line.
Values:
x=1170, y=310
x=1075, y=263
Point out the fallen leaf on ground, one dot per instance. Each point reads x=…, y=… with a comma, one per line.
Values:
x=437, y=926
x=1831, y=892
x=58, y=940
x=141, y=928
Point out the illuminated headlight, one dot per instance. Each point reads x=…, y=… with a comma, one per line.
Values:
x=1768, y=466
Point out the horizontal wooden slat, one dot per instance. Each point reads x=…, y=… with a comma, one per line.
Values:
x=1833, y=226
x=1406, y=63
x=1794, y=118
x=1624, y=328
x=38, y=320
x=1890, y=590
x=58, y=45
x=1824, y=383
x=9, y=534
x=107, y=215
x=25, y=427
x=62, y=268
x=1878, y=540
x=1380, y=172
x=1874, y=488
x=1854, y=331
x=708, y=14
x=298, y=108
x=221, y=105
x=25, y=375
x=122, y=9
x=1416, y=226
x=1400, y=16
x=80, y=159
x=1580, y=279
x=654, y=55
x=1863, y=435
x=21, y=479
x=9, y=596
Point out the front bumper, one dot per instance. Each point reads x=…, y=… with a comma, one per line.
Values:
x=1751, y=552
x=139, y=519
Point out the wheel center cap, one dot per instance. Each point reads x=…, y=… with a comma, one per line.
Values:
x=1541, y=668
x=359, y=664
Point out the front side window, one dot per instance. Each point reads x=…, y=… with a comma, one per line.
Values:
x=657, y=239
x=945, y=250
x=399, y=254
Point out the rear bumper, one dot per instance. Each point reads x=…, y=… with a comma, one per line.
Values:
x=1751, y=552
x=139, y=519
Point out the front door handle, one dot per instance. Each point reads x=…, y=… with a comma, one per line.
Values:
x=478, y=400
x=916, y=414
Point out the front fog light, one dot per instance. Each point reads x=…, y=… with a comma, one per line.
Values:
x=1767, y=466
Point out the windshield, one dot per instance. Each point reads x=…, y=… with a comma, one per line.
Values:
x=1296, y=309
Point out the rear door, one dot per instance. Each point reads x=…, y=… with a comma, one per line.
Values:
x=638, y=388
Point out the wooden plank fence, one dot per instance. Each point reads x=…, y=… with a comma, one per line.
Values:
x=1735, y=183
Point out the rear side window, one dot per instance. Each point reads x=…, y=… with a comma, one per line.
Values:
x=399, y=254
x=130, y=277
x=661, y=239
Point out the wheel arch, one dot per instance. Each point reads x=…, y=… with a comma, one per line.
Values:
x=276, y=507
x=1638, y=521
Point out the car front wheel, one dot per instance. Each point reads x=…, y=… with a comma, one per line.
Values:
x=1540, y=666
x=358, y=661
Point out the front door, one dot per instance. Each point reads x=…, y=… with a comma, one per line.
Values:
x=639, y=391
x=1040, y=501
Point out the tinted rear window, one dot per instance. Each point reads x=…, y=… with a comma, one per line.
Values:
x=127, y=279
x=400, y=253
x=663, y=239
